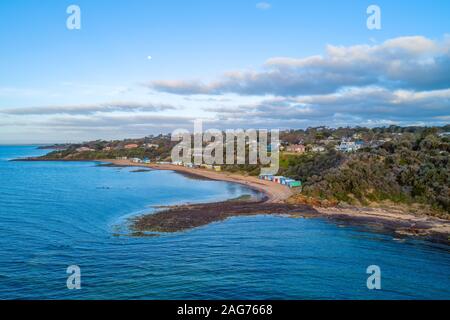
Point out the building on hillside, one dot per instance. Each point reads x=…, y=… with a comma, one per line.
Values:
x=131, y=146
x=151, y=146
x=296, y=148
x=348, y=146
x=84, y=149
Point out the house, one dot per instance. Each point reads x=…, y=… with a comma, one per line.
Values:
x=84, y=149
x=107, y=149
x=136, y=160
x=297, y=148
x=177, y=163
x=121, y=158
x=131, y=146
x=317, y=149
x=348, y=146
x=146, y=161
x=267, y=177
x=151, y=146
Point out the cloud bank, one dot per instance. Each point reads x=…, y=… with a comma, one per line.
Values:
x=88, y=109
x=413, y=63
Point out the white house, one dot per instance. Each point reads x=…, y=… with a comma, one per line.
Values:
x=348, y=146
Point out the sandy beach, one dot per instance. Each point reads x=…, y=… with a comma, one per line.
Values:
x=398, y=222
x=275, y=193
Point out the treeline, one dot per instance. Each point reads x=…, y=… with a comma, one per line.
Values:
x=312, y=135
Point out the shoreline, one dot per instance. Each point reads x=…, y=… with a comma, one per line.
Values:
x=394, y=221
x=275, y=193
x=397, y=222
x=400, y=223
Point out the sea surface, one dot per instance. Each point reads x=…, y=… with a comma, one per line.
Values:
x=57, y=214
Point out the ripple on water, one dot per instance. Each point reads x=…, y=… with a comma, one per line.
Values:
x=53, y=215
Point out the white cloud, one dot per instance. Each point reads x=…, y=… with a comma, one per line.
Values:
x=88, y=109
x=263, y=5
x=354, y=106
x=413, y=63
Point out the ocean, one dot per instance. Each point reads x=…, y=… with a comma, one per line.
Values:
x=57, y=214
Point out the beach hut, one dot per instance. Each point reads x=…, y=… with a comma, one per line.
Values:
x=277, y=179
x=287, y=181
x=295, y=184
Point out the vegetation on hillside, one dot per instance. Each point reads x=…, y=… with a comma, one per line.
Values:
x=414, y=168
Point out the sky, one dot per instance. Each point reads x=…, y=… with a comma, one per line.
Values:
x=136, y=67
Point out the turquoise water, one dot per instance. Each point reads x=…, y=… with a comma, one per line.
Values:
x=56, y=214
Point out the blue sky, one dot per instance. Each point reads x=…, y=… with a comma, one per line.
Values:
x=231, y=63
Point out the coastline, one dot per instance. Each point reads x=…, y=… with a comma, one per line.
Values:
x=275, y=193
x=397, y=222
